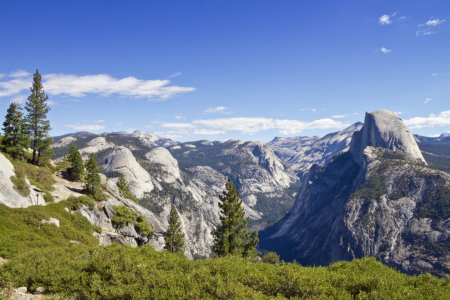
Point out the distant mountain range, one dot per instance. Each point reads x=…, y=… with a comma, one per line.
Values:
x=358, y=184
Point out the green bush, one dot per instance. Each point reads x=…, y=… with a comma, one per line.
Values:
x=122, y=272
x=49, y=198
x=123, y=215
x=75, y=203
x=22, y=228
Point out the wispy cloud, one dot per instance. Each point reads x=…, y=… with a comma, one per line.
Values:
x=2, y=75
x=433, y=22
x=19, y=73
x=148, y=126
x=99, y=121
x=339, y=116
x=86, y=127
x=443, y=119
x=119, y=123
x=435, y=74
x=180, y=117
x=401, y=18
x=101, y=84
x=20, y=99
x=384, y=20
x=175, y=74
x=427, y=100
x=384, y=50
x=219, y=109
x=425, y=32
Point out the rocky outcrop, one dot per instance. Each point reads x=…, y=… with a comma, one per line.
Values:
x=376, y=199
x=94, y=146
x=150, y=138
x=8, y=195
x=386, y=130
x=300, y=153
x=122, y=160
x=169, y=165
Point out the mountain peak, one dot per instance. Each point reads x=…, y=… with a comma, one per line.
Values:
x=383, y=128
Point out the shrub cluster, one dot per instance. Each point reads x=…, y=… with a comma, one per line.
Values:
x=22, y=228
x=122, y=272
x=123, y=215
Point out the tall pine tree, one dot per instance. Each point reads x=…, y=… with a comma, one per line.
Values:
x=231, y=236
x=174, y=236
x=16, y=139
x=77, y=169
x=37, y=109
x=93, y=180
x=123, y=186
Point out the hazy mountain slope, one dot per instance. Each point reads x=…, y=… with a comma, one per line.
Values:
x=378, y=199
x=300, y=153
x=436, y=151
x=267, y=186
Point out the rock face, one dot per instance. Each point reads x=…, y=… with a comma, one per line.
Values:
x=150, y=138
x=384, y=129
x=376, y=199
x=169, y=164
x=300, y=153
x=8, y=195
x=122, y=160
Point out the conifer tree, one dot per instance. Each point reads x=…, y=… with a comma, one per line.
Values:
x=231, y=236
x=123, y=186
x=93, y=180
x=174, y=236
x=37, y=109
x=16, y=139
x=77, y=170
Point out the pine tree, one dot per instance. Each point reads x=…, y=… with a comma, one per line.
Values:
x=174, y=236
x=37, y=109
x=122, y=184
x=231, y=236
x=93, y=180
x=77, y=169
x=16, y=139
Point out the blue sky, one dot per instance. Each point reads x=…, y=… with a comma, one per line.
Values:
x=217, y=70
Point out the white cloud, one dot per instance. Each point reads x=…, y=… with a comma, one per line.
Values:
x=384, y=20
x=2, y=75
x=427, y=100
x=99, y=121
x=398, y=112
x=86, y=127
x=53, y=103
x=19, y=73
x=425, y=32
x=443, y=119
x=313, y=109
x=254, y=125
x=177, y=125
x=102, y=84
x=219, y=109
x=119, y=123
x=148, y=126
x=339, y=116
x=435, y=74
x=180, y=117
x=74, y=100
x=208, y=132
x=384, y=50
x=175, y=74
x=20, y=99
x=433, y=22
x=401, y=18
x=131, y=129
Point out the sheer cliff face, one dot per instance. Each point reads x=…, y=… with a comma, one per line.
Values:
x=300, y=153
x=378, y=199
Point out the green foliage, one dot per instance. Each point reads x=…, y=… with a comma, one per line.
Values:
x=21, y=228
x=74, y=203
x=372, y=189
x=76, y=161
x=231, y=237
x=37, y=109
x=121, y=272
x=49, y=198
x=271, y=258
x=41, y=177
x=435, y=203
x=151, y=200
x=174, y=236
x=16, y=130
x=93, y=186
x=122, y=184
x=123, y=216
